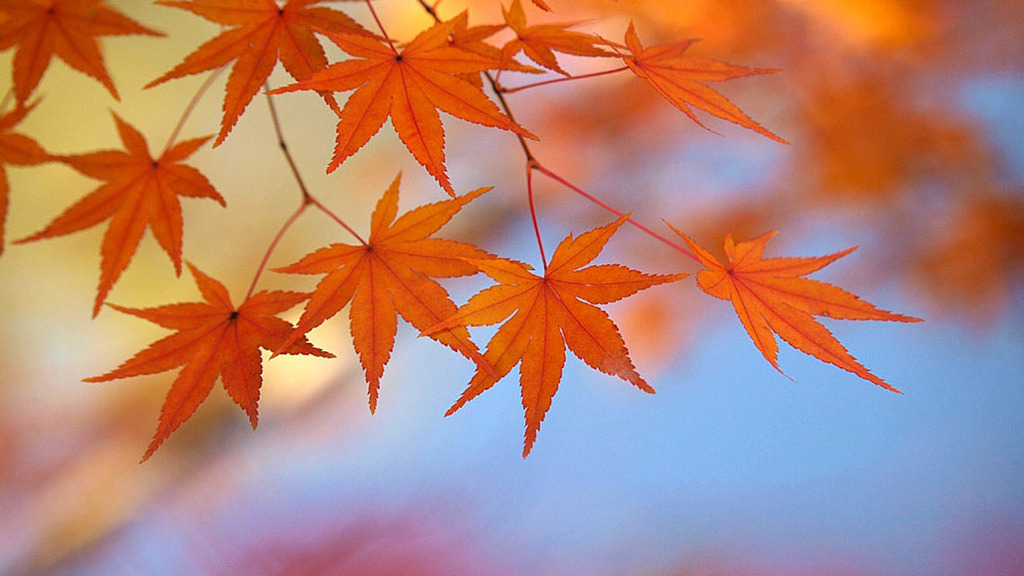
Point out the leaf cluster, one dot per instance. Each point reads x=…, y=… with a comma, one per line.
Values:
x=451, y=67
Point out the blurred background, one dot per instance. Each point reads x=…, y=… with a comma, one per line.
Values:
x=904, y=121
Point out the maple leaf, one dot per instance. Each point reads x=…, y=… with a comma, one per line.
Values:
x=682, y=80
x=213, y=338
x=139, y=192
x=410, y=86
x=770, y=295
x=15, y=149
x=66, y=28
x=471, y=39
x=262, y=33
x=540, y=42
x=391, y=274
x=549, y=313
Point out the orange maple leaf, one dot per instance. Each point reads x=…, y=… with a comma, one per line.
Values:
x=541, y=41
x=682, y=80
x=549, y=313
x=769, y=296
x=18, y=150
x=262, y=33
x=213, y=338
x=471, y=39
x=67, y=28
x=139, y=192
x=391, y=274
x=410, y=86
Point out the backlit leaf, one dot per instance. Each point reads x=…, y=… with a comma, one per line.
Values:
x=409, y=86
x=140, y=191
x=771, y=295
x=68, y=29
x=392, y=274
x=213, y=338
x=261, y=34
x=682, y=80
x=545, y=315
x=18, y=150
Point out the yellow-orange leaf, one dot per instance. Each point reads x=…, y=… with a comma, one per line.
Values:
x=770, y=295
x=549, y=313
x=261, y=33
x=391, y=274
x=68, y=29
x=682, y=79
x=140, y=192
x=15, y=149
x=213, y=338
x=410, y=86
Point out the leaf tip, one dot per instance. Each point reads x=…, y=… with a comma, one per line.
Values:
x=157, y=441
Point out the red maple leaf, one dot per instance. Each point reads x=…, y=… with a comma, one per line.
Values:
x=392, y=274
x=66, y=28
x=410, y=86
x=261, y=33
x=15, y=149
x=213, y=338
x=549, y=313
x=139, y=192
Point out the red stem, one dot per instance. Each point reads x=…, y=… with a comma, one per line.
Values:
x=563, y=79
x=333, y=216
x=191, y=107
x=380, y=25
x=273, y=244
x=537, y=166
x=307, y=198
x=530, y=165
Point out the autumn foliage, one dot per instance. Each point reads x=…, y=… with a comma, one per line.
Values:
x=544, y=308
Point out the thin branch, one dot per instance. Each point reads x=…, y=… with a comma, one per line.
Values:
x=307, y=198
x=273, y=244
x=561, y=79
x=532, y=163
x=284, y=146
x=431, y=10
x=380, y=25
x=537, y=166
x=530, y=166
x=320, y=206
x=191, y=107
x=508, y=112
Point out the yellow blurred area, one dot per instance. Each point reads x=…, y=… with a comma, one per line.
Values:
x=71, y=450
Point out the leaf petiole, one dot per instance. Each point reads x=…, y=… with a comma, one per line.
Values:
x=540, y=168
x=191, y=107
x=532, y=164
x=505, y=90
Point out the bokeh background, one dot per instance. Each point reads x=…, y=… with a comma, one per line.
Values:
x=904, y=118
